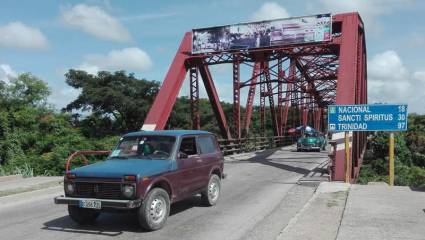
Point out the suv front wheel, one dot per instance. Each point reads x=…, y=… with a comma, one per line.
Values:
x=154, y=210
x=212, y=192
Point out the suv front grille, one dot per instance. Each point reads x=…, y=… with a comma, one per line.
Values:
x=98, y=190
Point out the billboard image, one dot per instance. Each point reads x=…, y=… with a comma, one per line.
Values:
x=316, y=28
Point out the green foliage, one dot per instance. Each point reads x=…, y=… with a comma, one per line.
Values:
x=409, y=156
x=180, y=117
x=27, y=89
x=417, y=177
x=118, y=102
x=25, y=170
x=35, y=139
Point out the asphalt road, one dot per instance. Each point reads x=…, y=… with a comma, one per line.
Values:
x=259, y=197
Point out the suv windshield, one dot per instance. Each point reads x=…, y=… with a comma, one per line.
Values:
x=312, y=134
x=144, y=147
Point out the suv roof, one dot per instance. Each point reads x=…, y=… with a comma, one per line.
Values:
x=175, y=133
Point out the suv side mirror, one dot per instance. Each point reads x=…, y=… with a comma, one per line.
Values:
x=183, y=155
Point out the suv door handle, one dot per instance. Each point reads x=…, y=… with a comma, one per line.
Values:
x=199, y=160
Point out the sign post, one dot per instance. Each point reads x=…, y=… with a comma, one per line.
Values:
x=391, y=159
x=347, y=156
x=368, y=117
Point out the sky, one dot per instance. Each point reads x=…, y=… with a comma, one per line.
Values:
x=47, y=38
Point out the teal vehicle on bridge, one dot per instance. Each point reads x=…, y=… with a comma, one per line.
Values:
x=311, y=141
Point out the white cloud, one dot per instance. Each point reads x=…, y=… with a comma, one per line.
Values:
x=269, y=10
x=387, y=65
x=369, y=10
x=389, y=81
x=418, y=40
x=62, y=97
x=149, y=16
x=420, y=75
x=95, y=21
x=7, y=73
x=129, y=59
x=19, y=35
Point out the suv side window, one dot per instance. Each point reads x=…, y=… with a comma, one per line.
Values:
x=188, y=146
x=206, y=144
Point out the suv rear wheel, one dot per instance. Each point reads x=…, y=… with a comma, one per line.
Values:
x=82, y=215
x=211, y=194
x=154, y=210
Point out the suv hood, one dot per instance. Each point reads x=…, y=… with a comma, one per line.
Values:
x=117, y=168
x=310, y=140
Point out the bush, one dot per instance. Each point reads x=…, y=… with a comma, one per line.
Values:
x=34, y=138
x=409, y=156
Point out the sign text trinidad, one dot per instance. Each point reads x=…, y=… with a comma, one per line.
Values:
x=370, y=117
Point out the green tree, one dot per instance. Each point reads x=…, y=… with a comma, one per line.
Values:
x=180, y=117
x=35, y=139
x=26, y=89
x=409, y=152
x=118, y=100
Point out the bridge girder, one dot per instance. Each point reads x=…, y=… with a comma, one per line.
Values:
x=319, y=74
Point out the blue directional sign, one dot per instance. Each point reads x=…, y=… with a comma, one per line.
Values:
x=369, y=117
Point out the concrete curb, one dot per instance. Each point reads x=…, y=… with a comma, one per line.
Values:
x=10, y=178
x=325, y=188
x=23, y=185
x=30, y=196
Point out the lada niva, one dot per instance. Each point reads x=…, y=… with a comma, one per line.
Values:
x=146, y=172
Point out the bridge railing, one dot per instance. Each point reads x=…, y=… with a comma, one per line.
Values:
x=234, y=146
x=227, y=146
x=82, y=154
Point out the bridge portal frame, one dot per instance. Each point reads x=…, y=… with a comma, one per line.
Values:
x=310, y=76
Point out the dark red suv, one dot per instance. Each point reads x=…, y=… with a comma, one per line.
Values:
x=146, y=172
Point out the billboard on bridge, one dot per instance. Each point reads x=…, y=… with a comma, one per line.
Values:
x=285, y=31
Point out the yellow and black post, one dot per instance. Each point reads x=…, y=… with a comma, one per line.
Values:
x=391, y=159
x=347, y=157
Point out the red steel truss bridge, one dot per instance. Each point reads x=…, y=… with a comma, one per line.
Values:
x=306, y=77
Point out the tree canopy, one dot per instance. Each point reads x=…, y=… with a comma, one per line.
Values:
x=34, y=138
x=409, y=152
x=116, y=101
x=24, y=90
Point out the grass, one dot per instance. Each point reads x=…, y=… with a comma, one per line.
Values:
x=26, y=171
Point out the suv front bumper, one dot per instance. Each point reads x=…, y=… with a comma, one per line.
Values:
x=308, y=147
x=106, y=203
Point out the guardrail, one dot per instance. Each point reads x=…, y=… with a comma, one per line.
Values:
x=83, y=154
x=227, y=146
x=234, y=146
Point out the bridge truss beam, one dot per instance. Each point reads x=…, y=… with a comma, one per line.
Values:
x=318, y=74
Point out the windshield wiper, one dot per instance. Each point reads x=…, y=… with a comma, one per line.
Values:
x=145, y=156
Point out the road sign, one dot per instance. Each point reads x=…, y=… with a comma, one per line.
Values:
x=369, y=117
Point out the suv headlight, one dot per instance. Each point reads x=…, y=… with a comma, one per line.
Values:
x=128, y=191
x=69, y=188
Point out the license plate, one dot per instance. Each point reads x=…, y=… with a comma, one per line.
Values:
x=94, y=204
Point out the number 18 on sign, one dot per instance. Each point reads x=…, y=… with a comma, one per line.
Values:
x=370, y=117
